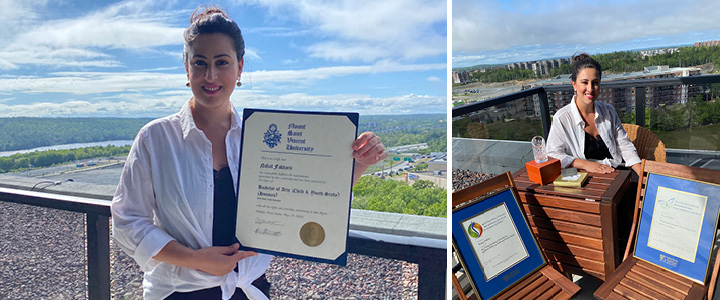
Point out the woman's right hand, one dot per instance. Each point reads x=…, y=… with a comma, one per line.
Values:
x=591, y=166
x=219, y=261
x=216, y=261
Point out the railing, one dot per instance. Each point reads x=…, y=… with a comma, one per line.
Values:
x=543, y=91
x=428, y=253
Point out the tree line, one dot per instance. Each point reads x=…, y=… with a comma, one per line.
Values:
x=27, y=133
x=631, y=61
x=398, y=130
x=615, y=62
x=696, y=112
x=421, y=198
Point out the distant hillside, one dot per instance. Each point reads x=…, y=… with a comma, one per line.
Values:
x=26, y=133
x=397, y=130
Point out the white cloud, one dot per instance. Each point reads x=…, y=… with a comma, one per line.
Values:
x=487, y=25
x=75, y=42
x=165, y=103
x=81, y=83
x=368, y=30
x=252, y=53
x=364, y=104
x=155, y=107
x=434, y=79
x=108, y=82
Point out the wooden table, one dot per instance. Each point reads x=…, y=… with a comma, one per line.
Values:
x=577, y=227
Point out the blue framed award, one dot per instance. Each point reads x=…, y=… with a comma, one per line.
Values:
x=677, y=225
x=494, y=243
x=295, y=182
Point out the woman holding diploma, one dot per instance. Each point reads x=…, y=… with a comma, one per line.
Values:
x=588, y=134
x=175, y=206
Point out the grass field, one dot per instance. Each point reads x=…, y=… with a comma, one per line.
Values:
x=518, y=130
x=699, y=138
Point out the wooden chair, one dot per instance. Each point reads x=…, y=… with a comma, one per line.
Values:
x=545, y=283
x=637, y=279
x=648, y=145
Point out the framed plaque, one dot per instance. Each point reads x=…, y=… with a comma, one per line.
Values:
x=494, y=243
x=295, y=183
x=677, y=225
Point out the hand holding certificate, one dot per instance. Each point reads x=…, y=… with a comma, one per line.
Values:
x=295, y=182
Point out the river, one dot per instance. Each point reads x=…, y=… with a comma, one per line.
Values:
x=69, y=146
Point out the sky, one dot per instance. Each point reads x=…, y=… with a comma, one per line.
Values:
x=505, y=31
x=124, y=58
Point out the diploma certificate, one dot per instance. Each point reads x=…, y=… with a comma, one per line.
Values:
x=295, y=183
x=676, y=223
x=495, y=240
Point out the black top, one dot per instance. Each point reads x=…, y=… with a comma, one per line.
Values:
x=224, y=208
x=595, y=148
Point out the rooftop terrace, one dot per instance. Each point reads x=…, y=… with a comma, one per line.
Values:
x=392, y=256
x=496, y=156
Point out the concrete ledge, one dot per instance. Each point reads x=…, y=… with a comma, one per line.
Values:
x=398, y=224
x=78, y=189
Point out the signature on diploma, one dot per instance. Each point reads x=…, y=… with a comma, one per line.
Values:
x=265, y=231
x=263, y=221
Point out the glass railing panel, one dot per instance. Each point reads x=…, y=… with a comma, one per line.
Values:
x=517, y=120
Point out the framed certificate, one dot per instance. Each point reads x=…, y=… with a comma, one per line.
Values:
x=677, y=225
x=295, y=182
x=494, y=243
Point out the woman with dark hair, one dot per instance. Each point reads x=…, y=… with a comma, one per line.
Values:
x=174, y=208
x=588, y=134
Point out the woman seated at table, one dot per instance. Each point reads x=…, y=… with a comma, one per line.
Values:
x=588, y=134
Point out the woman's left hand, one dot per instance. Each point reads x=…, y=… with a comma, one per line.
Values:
x=368, y=149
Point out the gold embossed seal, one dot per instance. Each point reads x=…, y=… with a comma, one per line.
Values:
x=312, y=234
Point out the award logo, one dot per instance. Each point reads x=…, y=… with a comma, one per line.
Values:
x=272, y=136
x=667, y=204
x=475, y=230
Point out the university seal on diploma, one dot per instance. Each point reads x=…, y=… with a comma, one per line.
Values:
x=295, y=183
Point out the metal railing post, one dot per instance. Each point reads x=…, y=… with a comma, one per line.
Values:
x=98, y=255
x=431, y=281
x=544, y=112
x=640, y=106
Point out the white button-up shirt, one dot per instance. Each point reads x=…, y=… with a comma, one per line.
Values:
x=166, y=193
x=566, y=140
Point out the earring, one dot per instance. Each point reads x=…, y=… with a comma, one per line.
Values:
x=187, y=84
x=239, y=84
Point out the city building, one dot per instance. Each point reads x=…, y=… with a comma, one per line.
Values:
x=455, y=77
x=652, y=52
x=461, y=77
x=540, y=67
x=708, y=43
x=623, y=99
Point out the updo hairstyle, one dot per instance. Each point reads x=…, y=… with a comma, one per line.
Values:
x=581, y=62
x=213, y=20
